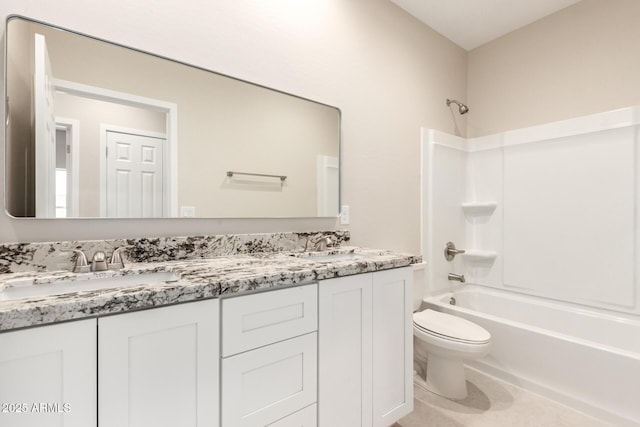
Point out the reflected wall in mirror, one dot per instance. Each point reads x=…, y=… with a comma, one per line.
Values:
x=96, y=129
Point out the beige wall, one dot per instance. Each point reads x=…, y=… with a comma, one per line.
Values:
x=582, y=60
x=388, y=73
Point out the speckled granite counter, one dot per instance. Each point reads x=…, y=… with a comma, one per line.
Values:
x=198, y=278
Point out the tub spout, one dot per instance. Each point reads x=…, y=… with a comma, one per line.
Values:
x=456, y=277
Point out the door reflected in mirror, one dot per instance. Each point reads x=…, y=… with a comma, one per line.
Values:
x=100, y=130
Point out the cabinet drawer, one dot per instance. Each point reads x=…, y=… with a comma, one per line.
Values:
x=307, y=417
x=256, y=320
x=265, y=385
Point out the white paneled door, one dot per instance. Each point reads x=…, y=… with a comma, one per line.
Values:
x=45, y=125
x=134, y=176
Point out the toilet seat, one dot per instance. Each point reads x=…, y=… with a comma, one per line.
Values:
x=450, y=327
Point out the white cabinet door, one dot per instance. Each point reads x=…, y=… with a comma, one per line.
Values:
x=159, y=367
x=48, y=376
x=264, y=385
x=365, y=349
x=344, y=351
x=392, y=346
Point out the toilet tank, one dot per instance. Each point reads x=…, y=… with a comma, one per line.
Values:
x=419, y=284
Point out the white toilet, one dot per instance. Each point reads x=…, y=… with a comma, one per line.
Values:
x=442, y=342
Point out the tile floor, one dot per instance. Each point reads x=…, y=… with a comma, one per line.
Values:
x=492, y=403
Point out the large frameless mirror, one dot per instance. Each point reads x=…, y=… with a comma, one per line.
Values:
x=95, y=129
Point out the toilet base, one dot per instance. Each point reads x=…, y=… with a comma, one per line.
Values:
x=444, y=377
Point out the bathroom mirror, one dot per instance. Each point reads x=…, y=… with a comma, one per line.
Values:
x=95, y=129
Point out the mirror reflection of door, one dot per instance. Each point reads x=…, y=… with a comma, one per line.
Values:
x=45, y=131
x=136, y=183
x=134, y=175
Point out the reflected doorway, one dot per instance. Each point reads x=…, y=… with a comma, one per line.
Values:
x=66, y=200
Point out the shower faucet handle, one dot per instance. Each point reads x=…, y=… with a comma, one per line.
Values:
x=450, y=251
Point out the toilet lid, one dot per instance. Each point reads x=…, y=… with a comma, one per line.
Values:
x=450, y=327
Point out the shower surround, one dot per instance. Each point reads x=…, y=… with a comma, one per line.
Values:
x=548, y=212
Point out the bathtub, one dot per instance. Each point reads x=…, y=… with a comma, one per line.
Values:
x=584, y=358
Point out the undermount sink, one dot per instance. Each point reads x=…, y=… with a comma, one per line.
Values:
x=29, y=288
x=349, y=256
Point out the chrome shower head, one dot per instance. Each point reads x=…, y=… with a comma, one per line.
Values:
x=462, y=109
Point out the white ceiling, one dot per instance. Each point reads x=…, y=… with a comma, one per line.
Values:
x=472, y=23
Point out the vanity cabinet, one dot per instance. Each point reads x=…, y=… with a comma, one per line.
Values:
x=48, y=375
x=269, y=363
x=159, y=367
x=334, y=353
x=365, y=349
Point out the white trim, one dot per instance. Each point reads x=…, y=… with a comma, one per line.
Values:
x=426, y=142
x=108, y=95
x=592, y=123
x=445, y=139
x=615, y=119
x=323, y=164
x=72, y=126
x=170, y=208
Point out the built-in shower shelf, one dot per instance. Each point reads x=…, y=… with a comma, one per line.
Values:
x=479, y=256
x=479, y=208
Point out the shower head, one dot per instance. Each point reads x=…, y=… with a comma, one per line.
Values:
x=462, y=109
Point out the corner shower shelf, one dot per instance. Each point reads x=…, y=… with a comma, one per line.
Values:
x=479, y=208
x=480, y=257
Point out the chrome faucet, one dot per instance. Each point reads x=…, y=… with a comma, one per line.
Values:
x=98, y=261
x=320, y=244
x=81, y=265
x=117, y=261
x=456, y=277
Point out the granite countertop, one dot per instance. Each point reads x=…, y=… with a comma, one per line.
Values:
x=200, y=278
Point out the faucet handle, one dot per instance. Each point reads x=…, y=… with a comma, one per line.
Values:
x=81, y=264
x=319, y=243
x=450, y=251
x=99, y=261
x=323, y=243
x=117, y=259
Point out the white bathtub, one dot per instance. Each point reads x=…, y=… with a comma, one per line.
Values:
x=586, y=359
